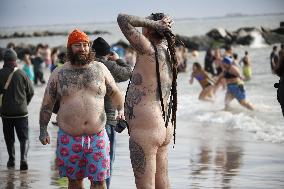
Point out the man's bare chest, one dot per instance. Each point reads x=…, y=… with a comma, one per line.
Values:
x=74, y=80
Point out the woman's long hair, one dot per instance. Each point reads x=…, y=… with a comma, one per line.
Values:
x=171, y=39
x=198, y=66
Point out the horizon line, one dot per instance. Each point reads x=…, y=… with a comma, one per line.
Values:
x=231, y=15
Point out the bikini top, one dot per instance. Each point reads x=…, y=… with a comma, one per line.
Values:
x=228, y=75
x=199, y=77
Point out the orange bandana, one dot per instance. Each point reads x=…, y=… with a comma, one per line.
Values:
x=77, y=36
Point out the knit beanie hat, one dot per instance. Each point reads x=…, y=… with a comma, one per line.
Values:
x=77, y=36
x=101, y=47
x=10, y=55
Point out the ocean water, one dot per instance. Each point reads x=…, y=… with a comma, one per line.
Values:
x=192, y=27
x=265, y=123
x=214, y=148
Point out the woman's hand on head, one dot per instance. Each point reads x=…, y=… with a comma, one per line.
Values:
x=164, y=25
x=168, y=21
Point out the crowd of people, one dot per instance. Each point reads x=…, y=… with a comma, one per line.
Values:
x=83, y=84
x=82, y=91
x=223, y=70
x=35, y=60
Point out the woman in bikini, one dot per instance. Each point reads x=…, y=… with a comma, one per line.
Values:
x=206, y=82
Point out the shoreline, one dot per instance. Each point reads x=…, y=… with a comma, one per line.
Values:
x=237, y=15
x=206, y=154
x=221, y=158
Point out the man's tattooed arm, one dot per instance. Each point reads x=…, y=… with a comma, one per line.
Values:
x=115, y=95
x=135, y=21
x=113, y=92
x=44, y=117
x=46, y=108
x=127, y=24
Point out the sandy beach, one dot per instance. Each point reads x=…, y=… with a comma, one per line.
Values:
x=206, y=155
x=236, y=149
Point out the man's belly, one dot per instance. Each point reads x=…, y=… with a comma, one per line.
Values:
x=81, y=115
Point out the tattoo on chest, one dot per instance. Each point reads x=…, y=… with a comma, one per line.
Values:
x=138, y=158
x=70, y=79
x=100, y=92
x=134, y=97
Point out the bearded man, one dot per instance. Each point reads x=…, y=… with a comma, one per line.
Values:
x=80, y=85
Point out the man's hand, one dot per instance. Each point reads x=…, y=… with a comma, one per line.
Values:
x=120, y=115
x=113, y=56
x=44, y=138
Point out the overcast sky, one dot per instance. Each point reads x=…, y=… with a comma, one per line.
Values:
x=48, y=12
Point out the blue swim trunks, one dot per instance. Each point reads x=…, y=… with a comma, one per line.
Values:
x=237, y=90
x=83, y=156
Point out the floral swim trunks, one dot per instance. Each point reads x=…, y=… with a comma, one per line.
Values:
x=83, y=156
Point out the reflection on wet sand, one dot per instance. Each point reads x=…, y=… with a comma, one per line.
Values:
x=10, y=179
x=17, y=179
x=231, y=164
x=223, y=162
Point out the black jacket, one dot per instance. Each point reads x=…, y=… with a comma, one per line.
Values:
x=119, y=69
x=280, y=91
x=18, y=95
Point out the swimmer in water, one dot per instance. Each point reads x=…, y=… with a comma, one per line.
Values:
x=235, y=84
x=206, y=82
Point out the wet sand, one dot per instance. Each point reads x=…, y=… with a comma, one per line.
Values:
x=205, y=156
